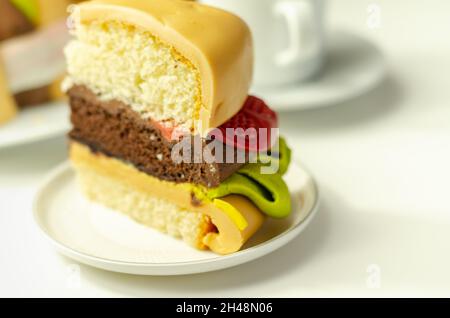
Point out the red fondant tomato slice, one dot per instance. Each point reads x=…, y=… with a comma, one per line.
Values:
x=251, y=128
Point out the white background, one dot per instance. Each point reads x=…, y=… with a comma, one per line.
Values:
x=382, y=162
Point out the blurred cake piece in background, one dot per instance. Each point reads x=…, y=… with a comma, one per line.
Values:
x=28, y=27
x=41, y=12
x=51, y=11
x=8, y=107
x=13, y=21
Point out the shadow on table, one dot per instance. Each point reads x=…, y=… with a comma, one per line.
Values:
x=333, y=252
x=289, y=258
x=331, y=257
x=374, y=106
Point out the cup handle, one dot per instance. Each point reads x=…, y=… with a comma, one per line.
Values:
x=300, y=22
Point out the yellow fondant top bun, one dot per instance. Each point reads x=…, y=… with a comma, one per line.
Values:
x=216, y=42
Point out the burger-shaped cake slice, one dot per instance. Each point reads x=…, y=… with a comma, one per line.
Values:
x=153, y=85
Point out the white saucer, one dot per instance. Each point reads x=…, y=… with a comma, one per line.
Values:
x=34, y=124
x=97, y=236
x=354, y=67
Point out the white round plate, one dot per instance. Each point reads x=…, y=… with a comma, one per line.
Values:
x=34, y=124
x=354, y=66
x=96, y=236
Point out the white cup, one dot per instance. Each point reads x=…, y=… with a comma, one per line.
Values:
x=288, y=36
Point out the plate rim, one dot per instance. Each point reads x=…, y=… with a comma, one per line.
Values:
x=264, y=248
x=35, y=138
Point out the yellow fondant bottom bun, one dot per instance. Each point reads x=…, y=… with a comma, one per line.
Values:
x=166, y=206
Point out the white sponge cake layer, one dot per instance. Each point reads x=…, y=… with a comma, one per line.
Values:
x=216, y=46
x=159, y=214
x=122, y=62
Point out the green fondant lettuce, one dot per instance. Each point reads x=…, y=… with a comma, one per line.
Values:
x=268, y=192
x=282, y=154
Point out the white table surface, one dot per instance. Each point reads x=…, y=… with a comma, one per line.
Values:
x=382, y=162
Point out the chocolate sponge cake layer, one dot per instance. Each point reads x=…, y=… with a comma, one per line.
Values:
x=112, y=128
